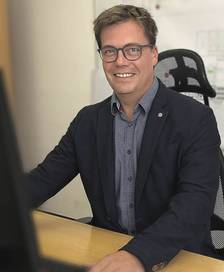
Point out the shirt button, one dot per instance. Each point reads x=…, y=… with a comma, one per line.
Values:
x=130, y=179
x=129, y=151
x=131, y=206
x=130, y=124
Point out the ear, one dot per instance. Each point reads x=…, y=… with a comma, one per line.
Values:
x=155, y=55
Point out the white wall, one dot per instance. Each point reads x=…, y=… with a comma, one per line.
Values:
x=53, y=59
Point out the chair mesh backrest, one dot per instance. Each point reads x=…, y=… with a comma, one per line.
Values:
x=183, y=71
x=217, y=227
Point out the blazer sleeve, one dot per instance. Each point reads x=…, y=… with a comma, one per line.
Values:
x=187, y=218
x=58, y=168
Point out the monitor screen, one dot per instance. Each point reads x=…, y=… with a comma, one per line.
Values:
x=17, y=241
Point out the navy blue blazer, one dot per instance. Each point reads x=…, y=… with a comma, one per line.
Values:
x=176, y=182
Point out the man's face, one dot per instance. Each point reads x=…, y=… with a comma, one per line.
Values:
x=124, y=76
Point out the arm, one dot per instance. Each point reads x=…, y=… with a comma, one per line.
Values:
x=58, y=168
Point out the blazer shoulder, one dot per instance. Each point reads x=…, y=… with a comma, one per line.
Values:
x=94, y=108
x=183, y=104
x=186, y=113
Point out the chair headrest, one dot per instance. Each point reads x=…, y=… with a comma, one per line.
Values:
x=183, y=70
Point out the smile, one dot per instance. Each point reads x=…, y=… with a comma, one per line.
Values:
x=124, y=75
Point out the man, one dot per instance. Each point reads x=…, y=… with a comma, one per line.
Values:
x=147, y=156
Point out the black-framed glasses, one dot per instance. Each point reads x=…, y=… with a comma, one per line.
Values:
x=130, y=52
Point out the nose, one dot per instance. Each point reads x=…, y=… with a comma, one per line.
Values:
x=121, y=60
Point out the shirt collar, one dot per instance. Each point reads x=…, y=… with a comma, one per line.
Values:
x=115, y=104
x=145, y=102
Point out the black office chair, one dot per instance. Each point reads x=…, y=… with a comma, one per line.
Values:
x=217, y=222
x=183, y=71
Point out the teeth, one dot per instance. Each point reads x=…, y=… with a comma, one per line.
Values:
x=124, y=75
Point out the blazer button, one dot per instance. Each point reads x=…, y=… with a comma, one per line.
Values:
x=158, y=266
x=108, y=218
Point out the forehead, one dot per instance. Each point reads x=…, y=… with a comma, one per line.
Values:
x=123, y=33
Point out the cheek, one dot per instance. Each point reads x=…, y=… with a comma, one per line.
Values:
x=106, y=68
x=146, y=69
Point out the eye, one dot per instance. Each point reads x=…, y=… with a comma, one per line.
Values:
x=108, y=51
x=132, y=50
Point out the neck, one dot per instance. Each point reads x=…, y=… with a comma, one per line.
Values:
x=130, y=100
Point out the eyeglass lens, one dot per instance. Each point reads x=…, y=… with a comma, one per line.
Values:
x=130, y=52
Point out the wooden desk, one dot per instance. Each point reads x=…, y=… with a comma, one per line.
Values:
x=78, y=243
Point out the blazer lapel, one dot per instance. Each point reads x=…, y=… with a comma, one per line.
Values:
x=154, y=124
x=105, y=149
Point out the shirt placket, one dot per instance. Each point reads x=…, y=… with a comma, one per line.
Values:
x=129, y=163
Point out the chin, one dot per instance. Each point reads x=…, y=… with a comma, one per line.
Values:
x=123, y=91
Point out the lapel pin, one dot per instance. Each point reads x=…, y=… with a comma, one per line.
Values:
x=160, y=114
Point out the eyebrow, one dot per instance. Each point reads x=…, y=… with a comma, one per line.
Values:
x=133, y=43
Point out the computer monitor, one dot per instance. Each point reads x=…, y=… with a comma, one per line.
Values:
x=18, y=247
x=17, y=241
